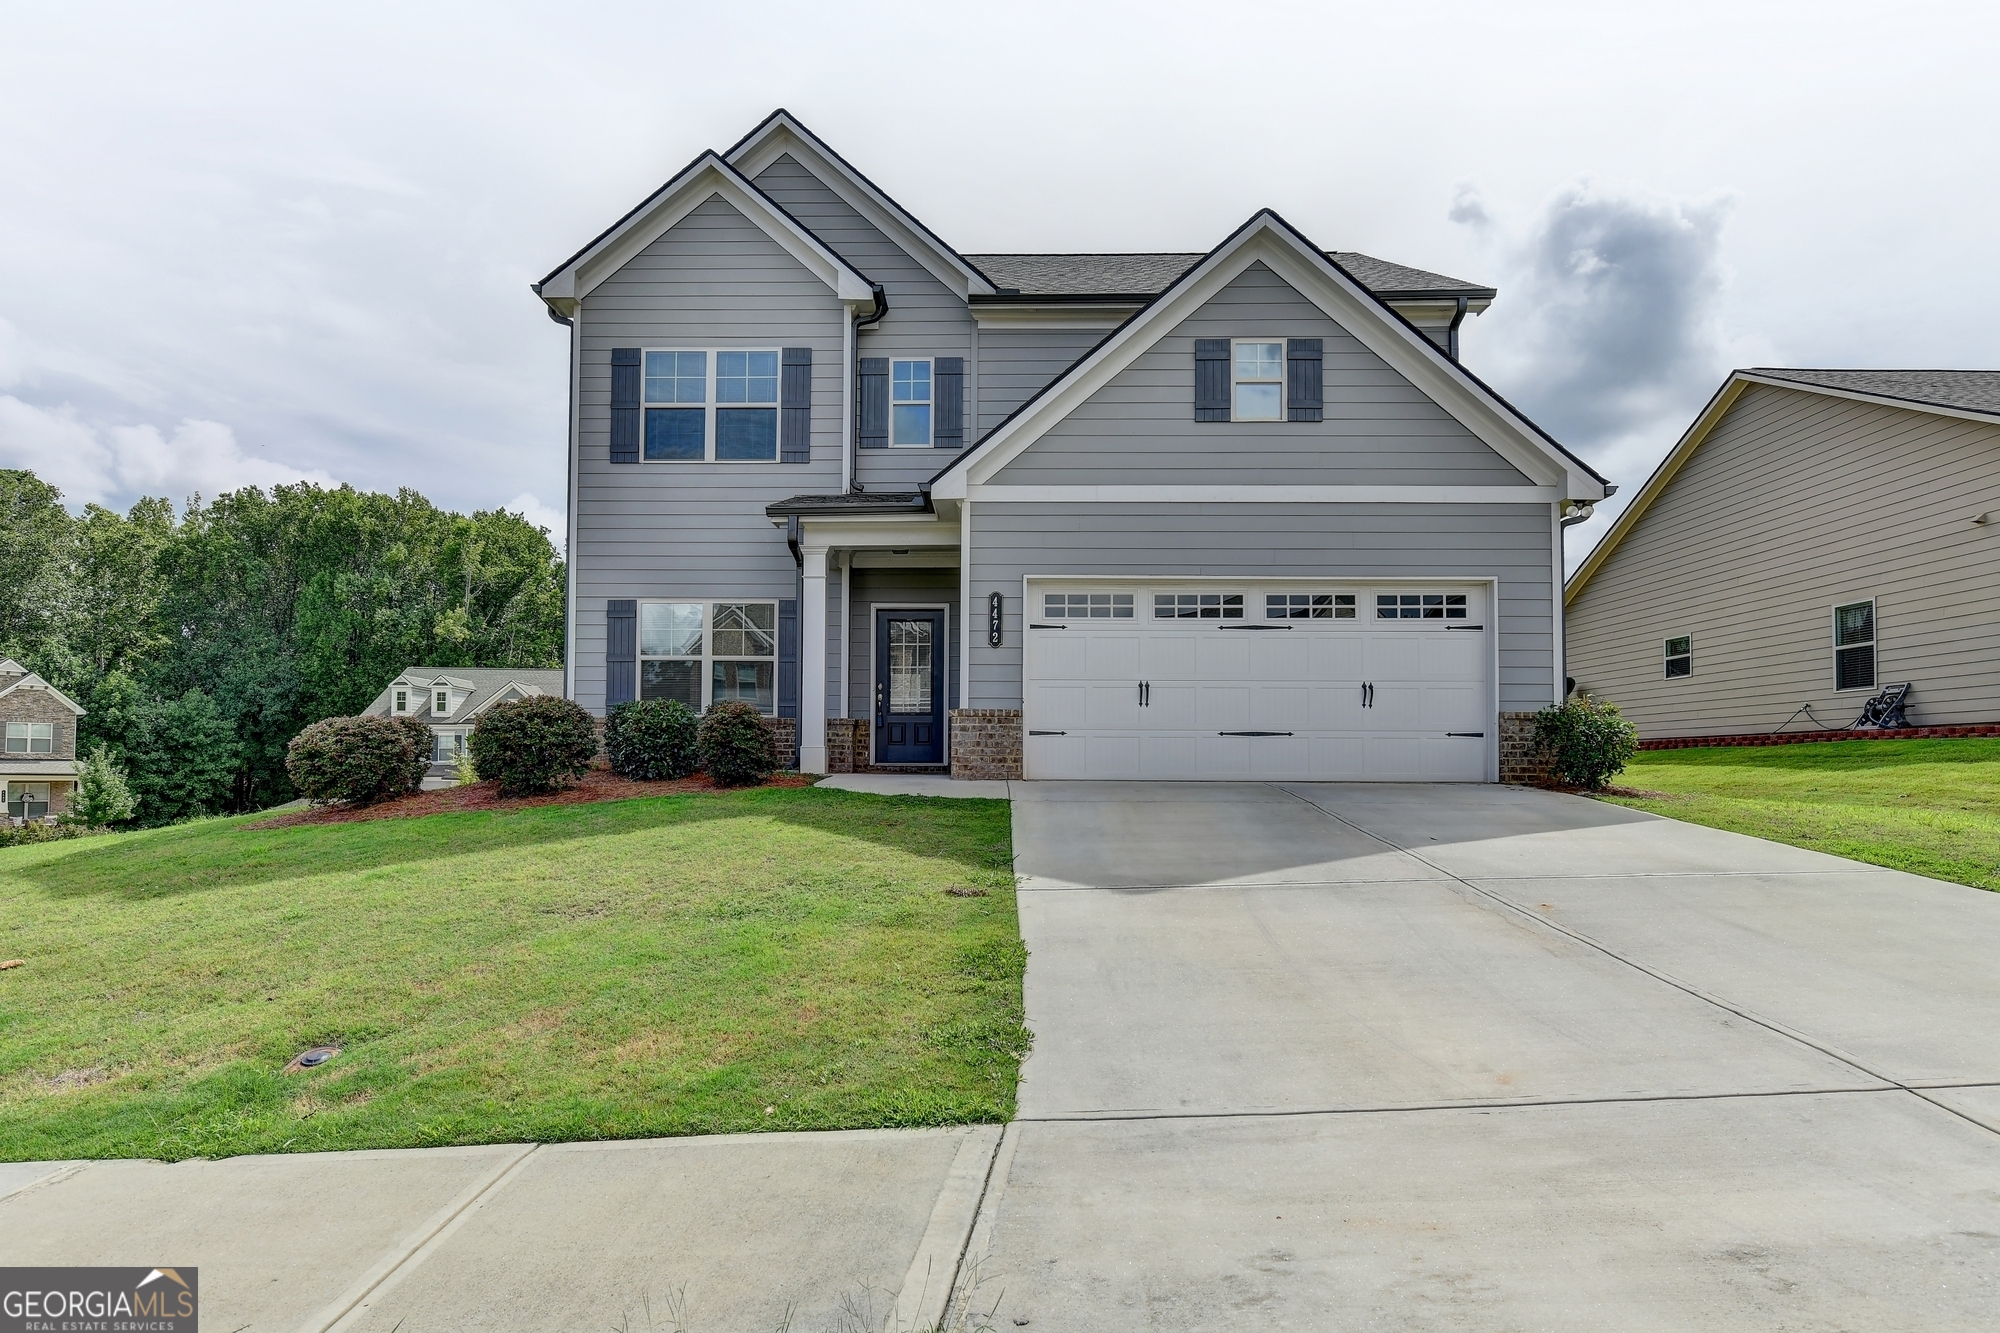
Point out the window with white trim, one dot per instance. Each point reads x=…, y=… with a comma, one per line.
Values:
x=441, y=703
x=719, y=405
x=28, y=800
x=1309, y=606
x=31, y=738
x=1087, y=605
x=1420, y=606
x=446, y=746
x=1680, y=657
x=1854, y=646
x=910, y=404
x=400, y=701
x=704, y=653
x=1257, y=381
x=1198, y=606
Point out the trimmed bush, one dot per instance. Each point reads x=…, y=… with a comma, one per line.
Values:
x=652, y=740
x=1587, y=741
x=359, y=760
x=737, y=749
x=534, y=745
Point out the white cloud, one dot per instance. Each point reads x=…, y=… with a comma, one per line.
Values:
x=109, y=465
x=542, y=516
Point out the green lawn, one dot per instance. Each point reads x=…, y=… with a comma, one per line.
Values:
x=766, y=959
x=1932, y=807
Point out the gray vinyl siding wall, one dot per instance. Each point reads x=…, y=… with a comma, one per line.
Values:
x=925, y=317
x=1379, y=429
x=892, y=588
x=1015, y=363
x=1510, y=542
x=1797, y=502
x=694, y=530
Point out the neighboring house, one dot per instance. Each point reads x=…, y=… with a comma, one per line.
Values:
x=1816, y=536
x=1008, y=513
x=38, y=733
x=451, y=699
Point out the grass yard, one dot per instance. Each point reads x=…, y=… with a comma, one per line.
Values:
x=1931, y=807
x=753, y=960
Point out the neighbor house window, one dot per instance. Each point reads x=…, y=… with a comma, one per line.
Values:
x=1309, y=606
x=1198, y=606
x=1854, y=646
x=447, y=746
x=1420, y=606
x=441, y=702
x=910, y=403
x=704, y=653
x=1259, y=381
x=1087, y=605
x=741, y=397
x=31, y=737
x=402, y=703
x=28, y=800
x=1680, y=657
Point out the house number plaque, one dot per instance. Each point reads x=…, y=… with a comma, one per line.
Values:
x=995, y=604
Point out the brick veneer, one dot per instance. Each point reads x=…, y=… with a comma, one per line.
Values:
x=785, y=735
x=846, y=744
x=1520, y=760
x=1800, y=737
x=35, y=705
x=986, y=743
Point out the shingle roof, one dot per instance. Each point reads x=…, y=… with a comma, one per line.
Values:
x=853, y=502
x=485, y=681
x=1966, y=390
x=1147, y=275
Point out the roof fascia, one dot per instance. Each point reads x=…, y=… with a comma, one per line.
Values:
x=707, y=177
x=782, y=133
x=1670, y=466
x=1880, y=399
x=1372, y=322
x=33, y=682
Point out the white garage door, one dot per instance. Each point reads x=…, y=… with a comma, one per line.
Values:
x=1323, y=683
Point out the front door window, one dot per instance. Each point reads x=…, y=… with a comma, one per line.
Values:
x=909, y=666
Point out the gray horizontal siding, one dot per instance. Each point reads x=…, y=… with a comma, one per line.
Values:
x=694, y=530
x=1794, y=502
x=1015, y=363
x=925, y=317
x=871, y=588
x=1510, y=542
x=1380, y=429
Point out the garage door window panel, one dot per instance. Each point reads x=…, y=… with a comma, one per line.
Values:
x=1421, y=606
x=1198, y=606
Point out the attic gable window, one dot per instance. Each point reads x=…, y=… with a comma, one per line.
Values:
x=1258, y=381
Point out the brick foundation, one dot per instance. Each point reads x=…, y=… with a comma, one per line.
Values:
x=785, y=735
x=986, y=743
x=847, y=740
x=1801, y=737
x=1520, y=761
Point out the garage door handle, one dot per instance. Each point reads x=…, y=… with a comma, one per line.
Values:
x=1048, y=627
x=1048, y=733
x=1465, y=627
x=1479, y=734
x=1253, y=627
x=1253, y=733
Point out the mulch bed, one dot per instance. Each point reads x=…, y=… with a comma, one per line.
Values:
x=599, y=784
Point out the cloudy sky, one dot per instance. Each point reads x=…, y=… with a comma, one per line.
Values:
x=242, y=244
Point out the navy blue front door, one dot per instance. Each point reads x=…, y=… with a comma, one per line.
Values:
x=909, y=687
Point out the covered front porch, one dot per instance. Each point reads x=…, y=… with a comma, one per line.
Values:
x=37, y=794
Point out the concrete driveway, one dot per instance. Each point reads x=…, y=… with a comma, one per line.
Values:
x=1482, y=1058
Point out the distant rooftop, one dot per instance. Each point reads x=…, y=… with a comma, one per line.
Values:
x=1966, y=390
x=1144, y=276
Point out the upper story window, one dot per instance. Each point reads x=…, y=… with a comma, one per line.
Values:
x=1258, y=381
x=400, y=701
x=1854, y=646
x=1680, y=657
x=910, y=403
x=711, y=405
x=441, y=702
x=704, y=653
x=31, y=738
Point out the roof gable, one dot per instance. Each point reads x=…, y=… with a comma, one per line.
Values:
x=1269, y=239
x=707, y=177
x=33, y=682
x=782, y=134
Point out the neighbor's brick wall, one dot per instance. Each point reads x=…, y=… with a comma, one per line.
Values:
x=986, y=743
x=1520, y=761
x=1797, y=737
x=40, y=706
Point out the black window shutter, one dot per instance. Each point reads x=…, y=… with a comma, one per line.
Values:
x=1211, y=379
x=624, y=404
x=621, y=652
x=1305, y=395
x=795, y=401
x=873, y=403
x=948, y=402
x=788, y=657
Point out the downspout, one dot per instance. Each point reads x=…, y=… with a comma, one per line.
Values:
x=860, y=322
x=793, y=529
x=1451, y=334
x=569, y=495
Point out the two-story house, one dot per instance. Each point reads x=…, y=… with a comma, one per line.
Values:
x=450, y=701
x=37, y=744
x=1233, y=514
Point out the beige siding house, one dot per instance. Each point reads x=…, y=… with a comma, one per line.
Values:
x=1816, y=536
x=37, y=745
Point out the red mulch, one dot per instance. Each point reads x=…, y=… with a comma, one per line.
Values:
x=599, y=784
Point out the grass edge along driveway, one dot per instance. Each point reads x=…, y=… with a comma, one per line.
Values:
x=1931, y=807
x=720, y=962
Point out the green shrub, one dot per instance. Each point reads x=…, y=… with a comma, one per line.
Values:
x=103, y=796
x=359, y=760
x=737, y=748
x=36, y=831
x=1586, y=741
x=534, y=745
x=652, y=739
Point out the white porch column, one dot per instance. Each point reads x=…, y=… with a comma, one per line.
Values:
x=812, y=664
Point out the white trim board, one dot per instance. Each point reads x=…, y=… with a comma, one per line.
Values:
x=1264, y=494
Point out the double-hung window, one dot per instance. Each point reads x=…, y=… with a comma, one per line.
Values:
x=31, y=738
x=441, y=703
x=1257, y=385
x=727, y=397
x=704, y=653
x=402, y=701
x=1854, y=646
x=910, y=403
x=1680, y=657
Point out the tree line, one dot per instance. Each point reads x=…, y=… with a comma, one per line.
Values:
x=202, y=642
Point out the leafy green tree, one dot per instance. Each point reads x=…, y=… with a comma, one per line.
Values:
x=182, y=756
x=35, y=540
x=103, y=797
